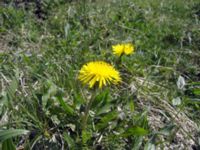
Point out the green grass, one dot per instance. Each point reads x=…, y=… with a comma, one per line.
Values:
x=40, y=59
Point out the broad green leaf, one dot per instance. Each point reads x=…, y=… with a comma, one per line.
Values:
x=7, y=134
x=107, y=118
x=101, y=99
x=135, y=131
x=104, y=109
x=101, y=103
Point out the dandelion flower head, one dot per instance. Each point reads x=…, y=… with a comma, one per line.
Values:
x=98, y=72
x=121, y=49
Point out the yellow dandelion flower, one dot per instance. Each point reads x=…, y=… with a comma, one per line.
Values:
x=121, y=49
x=98, y=72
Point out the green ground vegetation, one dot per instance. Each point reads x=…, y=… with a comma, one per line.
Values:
x=43, y=45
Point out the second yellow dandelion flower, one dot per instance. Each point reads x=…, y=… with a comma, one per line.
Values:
x=121, y=49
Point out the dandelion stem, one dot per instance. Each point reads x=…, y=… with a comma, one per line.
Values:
x=86, y=114
x=119, y=60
